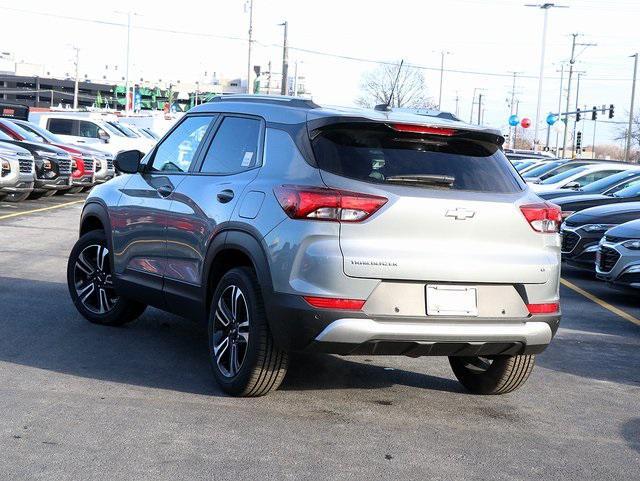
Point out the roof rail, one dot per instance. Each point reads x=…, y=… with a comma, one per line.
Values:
x=283, y=100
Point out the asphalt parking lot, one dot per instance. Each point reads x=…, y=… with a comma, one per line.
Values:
x=79, y=401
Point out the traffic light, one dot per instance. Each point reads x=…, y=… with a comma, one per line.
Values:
x=594, y=113
x=577, y=115
x=611, y=111
x=579, y=141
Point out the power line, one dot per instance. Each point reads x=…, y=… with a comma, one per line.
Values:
x=297, y=49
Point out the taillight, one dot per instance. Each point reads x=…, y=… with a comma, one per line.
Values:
x=319, y=203
x=545, y=308
x=543, y=217
x=333, y=303
x=423, y=129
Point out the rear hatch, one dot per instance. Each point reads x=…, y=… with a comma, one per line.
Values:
x=453, y=210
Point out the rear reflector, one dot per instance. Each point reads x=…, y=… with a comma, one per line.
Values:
x=548, y=308
x=319, y=203
x=542, y=217
x=331, y=303
x=423, y=129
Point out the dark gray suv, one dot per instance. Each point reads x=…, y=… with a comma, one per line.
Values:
x=290, y=227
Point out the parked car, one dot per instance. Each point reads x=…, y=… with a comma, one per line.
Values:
x=526, y=164
x=16, y=173
x=618, y=257
x=83, y=158
x=519, y=154
x=536, y=164
x=142, y=140
x=582, y=231
x=87, y=131
x=52, y=166
x=579, y=176
x=607, y=186
x=572, y=204
x=539, y=170
x=288, y=226
x=146, y=133
x=563, y=167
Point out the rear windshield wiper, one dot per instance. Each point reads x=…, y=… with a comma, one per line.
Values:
x=437, y=180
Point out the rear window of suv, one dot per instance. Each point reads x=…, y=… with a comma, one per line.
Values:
x=378, y=154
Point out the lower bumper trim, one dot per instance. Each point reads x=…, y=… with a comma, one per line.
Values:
x=360, y=331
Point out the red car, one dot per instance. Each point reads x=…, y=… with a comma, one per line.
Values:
x=83, y=167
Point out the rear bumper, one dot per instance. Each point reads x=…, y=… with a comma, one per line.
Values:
x=450, y=338
x=298, y=326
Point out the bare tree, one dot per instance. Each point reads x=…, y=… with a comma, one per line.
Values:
x=377, y=86
x=621, y=134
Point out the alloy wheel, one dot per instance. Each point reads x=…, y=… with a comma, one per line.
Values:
x=93, y=280
x=231, y=331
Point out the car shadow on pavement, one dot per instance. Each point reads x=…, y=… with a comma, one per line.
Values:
x=324, y=371
x=40, y=327
x=631, y=433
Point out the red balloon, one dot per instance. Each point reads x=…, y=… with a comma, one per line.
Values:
x=526, y=123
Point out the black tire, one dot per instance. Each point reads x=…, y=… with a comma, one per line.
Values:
x=262, y=365
x=90, y=301
x=495, y=375
x=41, y=193
x=16, y=197
x=61, y=191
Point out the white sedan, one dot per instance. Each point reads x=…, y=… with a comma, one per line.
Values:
x=580, y=176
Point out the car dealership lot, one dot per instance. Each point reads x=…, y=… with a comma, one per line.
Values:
x=80, y=401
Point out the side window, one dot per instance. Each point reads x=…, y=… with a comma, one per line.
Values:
x=60, y=126
x=234, y=148
x=593, y=176
x=624, y=185
x=176, y=152
x=88, y=129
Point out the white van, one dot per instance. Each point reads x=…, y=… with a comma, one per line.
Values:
x=93, y=132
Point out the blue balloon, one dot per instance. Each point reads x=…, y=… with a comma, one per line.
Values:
x=513, y=120
x=552, y=119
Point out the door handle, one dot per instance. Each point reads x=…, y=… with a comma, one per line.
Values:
x=165, y=190
x=225, y=196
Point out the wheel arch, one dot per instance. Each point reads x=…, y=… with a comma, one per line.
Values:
x=95, y=217
x=235, y=248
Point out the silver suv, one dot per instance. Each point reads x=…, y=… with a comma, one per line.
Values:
x=292, y=227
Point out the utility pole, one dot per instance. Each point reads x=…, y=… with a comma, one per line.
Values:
x=442, y=54
x=559, y=104
x=575, y=120
x=513, y=95
x=627, y=149
x=566, y=115
x=457, y=103
x=295, y=79
x=249, y=4
x=545, y=7
x=285, y=59
x=128, y=105
x=515, y=129
x=269, y=79
x=479, y=109
x=75, y=85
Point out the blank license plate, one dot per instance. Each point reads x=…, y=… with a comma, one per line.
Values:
x=445, y=300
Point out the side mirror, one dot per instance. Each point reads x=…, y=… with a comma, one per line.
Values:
x=572, y=185
x=128, y=161
x=104, y=136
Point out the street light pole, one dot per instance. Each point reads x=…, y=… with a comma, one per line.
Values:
x=545, y=7
x=442, y=53
x=285, y=59
x=75, y=85
x=627, y=150
x=559, y=105
x=249, y=89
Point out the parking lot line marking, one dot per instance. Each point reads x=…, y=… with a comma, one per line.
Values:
x=601, y=303
x=17, y=214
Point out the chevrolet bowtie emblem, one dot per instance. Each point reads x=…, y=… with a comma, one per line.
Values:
x=460, y=214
